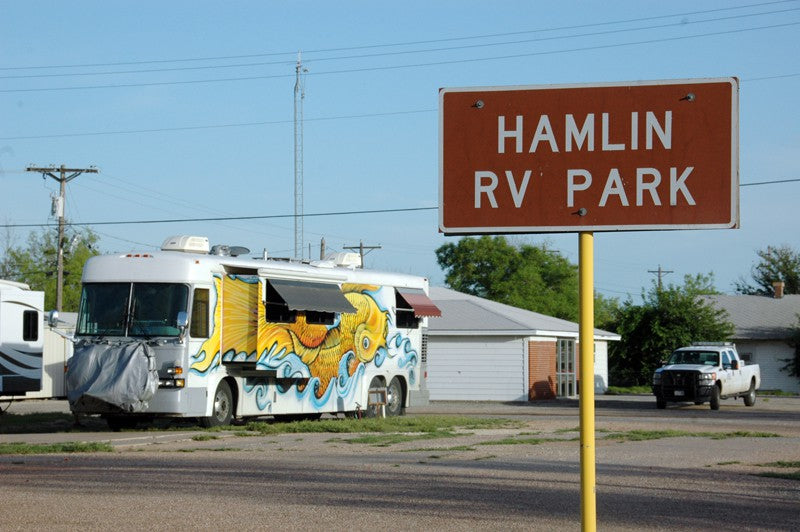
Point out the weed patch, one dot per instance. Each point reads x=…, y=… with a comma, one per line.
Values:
x=644, y=435
x=55, y=448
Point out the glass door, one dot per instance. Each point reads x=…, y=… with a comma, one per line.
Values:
x=565, y=369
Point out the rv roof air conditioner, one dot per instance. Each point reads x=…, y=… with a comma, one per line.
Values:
x=347, y=260
x=186, y=244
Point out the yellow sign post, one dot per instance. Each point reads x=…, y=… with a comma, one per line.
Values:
x=645, y=155
x=586, y=342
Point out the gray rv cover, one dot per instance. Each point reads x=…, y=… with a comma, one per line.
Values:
x=121, y=375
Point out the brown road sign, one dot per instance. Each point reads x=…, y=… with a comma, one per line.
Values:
x=607, y=157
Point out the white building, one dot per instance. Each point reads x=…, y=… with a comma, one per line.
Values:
x=481, y=350
x=764, y=326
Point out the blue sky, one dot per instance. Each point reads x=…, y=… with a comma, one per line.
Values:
x=187, y=110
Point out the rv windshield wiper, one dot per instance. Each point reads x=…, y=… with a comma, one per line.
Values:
x=135, y=328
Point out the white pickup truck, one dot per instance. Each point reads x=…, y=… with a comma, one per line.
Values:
x=706, y=372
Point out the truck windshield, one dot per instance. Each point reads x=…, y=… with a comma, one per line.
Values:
x=708, y=358
x=131, y=309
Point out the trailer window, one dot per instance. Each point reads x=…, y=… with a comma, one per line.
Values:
x=404, y=314
x=276, y=308
x=30, y=326
x=314, y=317
x=199, y=324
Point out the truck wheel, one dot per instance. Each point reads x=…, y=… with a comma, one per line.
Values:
x=750, y=397
x=394, y=398
x=714, y=398
x=222, y=411
x=661, y=403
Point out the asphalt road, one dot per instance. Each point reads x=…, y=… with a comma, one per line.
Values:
x=167, y=479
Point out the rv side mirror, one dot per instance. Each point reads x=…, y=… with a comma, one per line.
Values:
x=735, y=364
x=182, y=322
x=52, y=318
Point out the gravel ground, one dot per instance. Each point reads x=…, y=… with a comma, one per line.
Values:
x=183, y=480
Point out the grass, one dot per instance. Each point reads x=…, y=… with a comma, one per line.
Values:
x=35, y=423
x=204, y=437
x=787, y=475
x=385, y=440
x=644, y=435
x=782, y=464
x=55, y=448
x=519, y=440
x=440, y=425
x=629, y=390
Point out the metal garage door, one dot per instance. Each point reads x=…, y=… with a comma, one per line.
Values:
x=480, y=369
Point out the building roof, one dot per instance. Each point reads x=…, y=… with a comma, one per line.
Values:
x=464, y=314
x=760, y=317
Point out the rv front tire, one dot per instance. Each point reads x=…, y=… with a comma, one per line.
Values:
x=222, y=411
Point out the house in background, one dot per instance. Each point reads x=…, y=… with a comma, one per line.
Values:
x=763, y=326
x=481, y=350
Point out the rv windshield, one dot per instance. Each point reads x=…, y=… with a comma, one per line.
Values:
x=131, y=309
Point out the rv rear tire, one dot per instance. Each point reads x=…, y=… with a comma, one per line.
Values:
x=394, y=398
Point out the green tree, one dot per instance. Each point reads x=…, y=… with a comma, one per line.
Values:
x=35, y=264
x=525, y=276
x=776, y=263
x=667, y=319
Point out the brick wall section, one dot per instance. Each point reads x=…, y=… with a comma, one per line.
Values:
x=542, y=370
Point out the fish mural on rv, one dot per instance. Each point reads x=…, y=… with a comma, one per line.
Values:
x=324, y=352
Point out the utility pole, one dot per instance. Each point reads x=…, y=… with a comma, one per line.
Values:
x=299, y=96
x=361, y=247
x=661, y=273
x=62, y=179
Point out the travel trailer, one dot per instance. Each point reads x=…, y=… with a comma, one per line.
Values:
x=195, y=331
x=21, y=338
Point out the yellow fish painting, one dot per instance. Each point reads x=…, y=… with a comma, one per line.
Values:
x=320, y=347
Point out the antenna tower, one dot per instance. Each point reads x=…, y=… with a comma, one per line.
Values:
x=299, y=96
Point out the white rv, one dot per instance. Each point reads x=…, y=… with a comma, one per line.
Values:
x=193, y=331
x=21, y=338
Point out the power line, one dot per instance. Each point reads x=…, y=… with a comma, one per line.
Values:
x=406, y=43
x=400, y=52
x=231, y=218
x=769, y=182
x=280, y=122
x=217, y=126
x=286, y=216
x=408, y=66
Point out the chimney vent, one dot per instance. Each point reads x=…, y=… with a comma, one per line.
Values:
x=778, y=287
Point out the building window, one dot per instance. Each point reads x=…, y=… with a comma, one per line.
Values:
x=30, y=326
x=747, y=357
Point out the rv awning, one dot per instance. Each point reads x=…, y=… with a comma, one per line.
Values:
x=421, y=303
x=301, y=295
